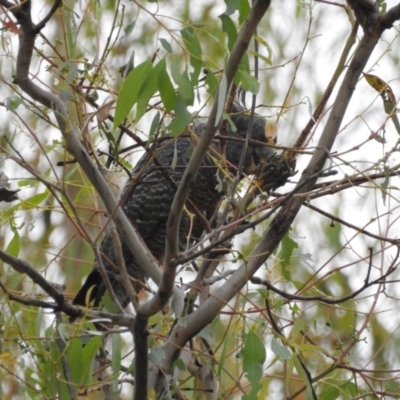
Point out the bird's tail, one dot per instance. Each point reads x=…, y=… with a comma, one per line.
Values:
x=91, y=292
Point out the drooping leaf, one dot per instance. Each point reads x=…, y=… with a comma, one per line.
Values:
x=301, y=372
x=74, y=356
x=222, y=358
x=14, y=246
x=222, y=92
x=116, y=360
x=231, y=6
x=211, y=82
x=185, y=87
x=263, y=43
x=149, y=87
x=129, y=92
x=254, y=356
x=174, y=158
x=281, y=352
x=13, y=102
x=182, y=117
x=166, y=45
x=244, y=11
x=230, y=29
x=193, y=47
x=167, y=90
x=288, y=245
x=154, y=125
x=385, y=184
x=248, y=82
x=88, y=353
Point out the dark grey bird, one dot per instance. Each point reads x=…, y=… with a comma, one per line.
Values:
x=148, y=198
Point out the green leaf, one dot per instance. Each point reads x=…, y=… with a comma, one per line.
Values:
x=396, y=123
x=74, y=356
x=222, y=91
x=248, y=82
x=333, y=233
x=330, y=393
x=384, y=185
x=192, y=45
x=211, y=82
x=167, y=90
x=254, y=356
x=349, y=389
x=108, y=303
x=154, y=125
x=129, y=92
x=267, y=60
x=180, y=365
x=301, y=372
x=14, y=246
x=262, y=42
x=149, y=87
x=297, y=327
x=129, y=28
x=35, y=200
x=244, y=65
x=174, y=157
x=281, y=352
x=231, y=6
x=230, y=29
x=288, y=245
x=156, y=319
x=62, y=331
x=116, y=359
x=28, y=182
x=89, y=352
x=13, y=102
x=182, y=117
x=185, y=87
x=28, y=204
x=63, y=390
x=244, y=11
x=166, y=45
x=222, y=358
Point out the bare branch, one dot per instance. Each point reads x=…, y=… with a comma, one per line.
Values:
x=24, y=268
x=391, y=16
x=61, y=303
x=326, y=300
x=47, y=18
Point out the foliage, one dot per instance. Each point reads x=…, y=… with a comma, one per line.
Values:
x=318, y=319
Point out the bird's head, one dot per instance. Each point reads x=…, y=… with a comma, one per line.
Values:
x=263, y=133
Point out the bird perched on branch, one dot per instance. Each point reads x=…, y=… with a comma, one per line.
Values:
x=148, y=198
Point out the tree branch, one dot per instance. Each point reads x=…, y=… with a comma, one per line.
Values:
x=61, y=303
x=282, y=222
x=73, y=144
x=172, y=240
x=391, y=16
